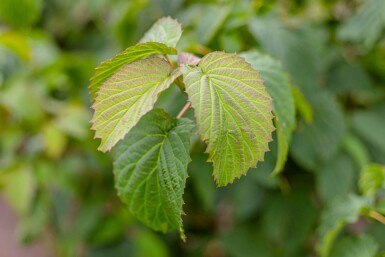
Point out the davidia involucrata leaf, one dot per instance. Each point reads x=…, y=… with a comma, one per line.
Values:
x=165, y=30
x=233, y=113
x=129, y=94
x=150, y=167
x=278, y=85
x=140, y=51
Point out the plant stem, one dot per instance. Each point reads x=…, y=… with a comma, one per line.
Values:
x=183, y=111
x=377, y=216
x=169, y=61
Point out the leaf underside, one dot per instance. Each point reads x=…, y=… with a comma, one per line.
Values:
x=129, y=94
x=233, y=113
x=140, y=51
x=150, y=167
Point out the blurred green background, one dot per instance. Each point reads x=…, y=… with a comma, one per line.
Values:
x=62, y=187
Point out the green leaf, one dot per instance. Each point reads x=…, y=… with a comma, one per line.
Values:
x=140, y=51
x=17, y=43
x=296, y=46
x=211, y=19
x=370, y=126
x=335, y=178
x=357, y=150
x=316, y=143
x=372, y=179
x=360, y=246
x=150, y=167
x=233, y=113
x=302, y=105
x=166, y=30
x=342, y=211
x=127, y=96
x=366, y=25
x=19, y=13
x=278, y=85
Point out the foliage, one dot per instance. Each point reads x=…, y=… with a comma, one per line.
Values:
x=321, y=62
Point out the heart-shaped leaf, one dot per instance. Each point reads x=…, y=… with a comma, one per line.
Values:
x=233, y=113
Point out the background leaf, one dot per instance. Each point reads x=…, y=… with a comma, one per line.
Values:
x=150, y=167
x=366, y=25
x=372, y=179
x=342, y=211
x=233, y=113
x=166, y=30
x=140, y=51
x=19, y=13
x=317, y=142
x=127, y=96
x=360, y=246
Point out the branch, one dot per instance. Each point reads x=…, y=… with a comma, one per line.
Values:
x=169, y=61
x=183, y=111
x=377, y=216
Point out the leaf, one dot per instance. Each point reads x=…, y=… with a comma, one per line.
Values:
x=150, y=167
x=357, y=150
x=127, y=96
x=302, y=105
x=187, y=58
x=360, y=246
x=278, y=85
x=211, y=19
x=19, y=187
x=288, y=219
x=296, y=46
x=166, y=30
x=372, y=179
x=342, y=211
x=366, y=25
x=17, y=43
x=233, y=113
x=316, y=143
x=335, y=178
x=19, y=13
x=108, y=68
x=370, y=126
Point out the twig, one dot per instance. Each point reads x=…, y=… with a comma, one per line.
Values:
x=169, y=61
x=183, y=111
x=377, y=216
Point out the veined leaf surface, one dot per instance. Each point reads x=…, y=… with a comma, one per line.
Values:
x=150, y=167
x=233, y=113
x=278, y=85
x=127, y=96
x=140, y=51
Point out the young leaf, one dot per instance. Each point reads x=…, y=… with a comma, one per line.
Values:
x=233, y=113
x=187, y=58
x=278, y=85
x=150, y=167
x=166, y=30
x=372, y=179
x=140, y=51
x=127, y=96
